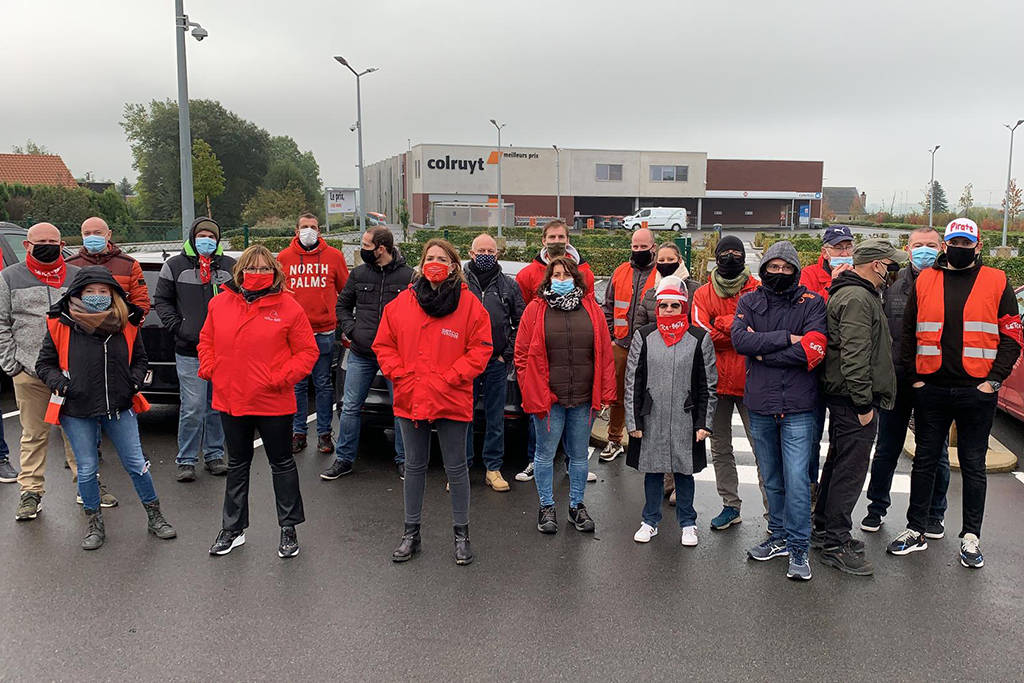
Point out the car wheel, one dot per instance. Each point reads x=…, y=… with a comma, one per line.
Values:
x=676, y=227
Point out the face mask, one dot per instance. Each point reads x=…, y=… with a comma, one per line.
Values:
x=562, y=287
x=257, y=282
x=46, y=253
x=672, y=327
x=96, y=303
x=889, y=275
x=369, y=256
x=309, y=236
x=960, y=257
x=485, y=261
x=923, y=257
x=667, y=269
x=730, y=265
x=642, y=259
x=206, y=245
x=555, y=250
x=841, y=261
x=779, y=282
x=435, y=272
x=94, y=244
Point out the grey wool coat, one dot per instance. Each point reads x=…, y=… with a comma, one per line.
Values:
x=670, y=394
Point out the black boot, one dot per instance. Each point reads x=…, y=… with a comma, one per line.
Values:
x=96, y=534
x=158, y=526
x=410, y=544
x=463, y=550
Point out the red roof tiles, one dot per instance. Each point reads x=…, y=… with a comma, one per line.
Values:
x=35, y=169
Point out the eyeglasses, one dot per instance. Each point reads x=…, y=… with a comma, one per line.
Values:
x=776, y=268
x=840, y=249
x=259, y=270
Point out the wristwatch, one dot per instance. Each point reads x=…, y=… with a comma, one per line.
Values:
x=994, y=384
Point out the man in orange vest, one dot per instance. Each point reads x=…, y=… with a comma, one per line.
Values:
x=624, y=293
x=964, y=318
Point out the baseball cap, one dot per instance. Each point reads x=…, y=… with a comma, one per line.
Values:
x=835, y=234
x=876, y=249
x=962, y=227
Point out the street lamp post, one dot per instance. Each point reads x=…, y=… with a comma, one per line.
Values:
x=558, y=186
x=931, y=190
x=1009, y=172
x=501, y=216
x=181, y=25
x=359, y=129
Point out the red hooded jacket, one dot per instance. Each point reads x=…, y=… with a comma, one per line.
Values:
x=315, y=277
x=816, y=278
x=530, y=277
x=714, y=314
x=532, y=359
x=432, y=362
x=255, y=353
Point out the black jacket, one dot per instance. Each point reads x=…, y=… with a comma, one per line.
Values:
x=102, y=381
x=181, y=298
x=894, y=303
x=368, y=290
x=503, y=301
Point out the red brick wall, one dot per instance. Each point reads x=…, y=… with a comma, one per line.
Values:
x=784, y=176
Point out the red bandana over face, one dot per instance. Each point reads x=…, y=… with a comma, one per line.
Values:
x=673, y=327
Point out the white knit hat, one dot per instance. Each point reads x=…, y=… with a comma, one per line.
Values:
x=671, y=288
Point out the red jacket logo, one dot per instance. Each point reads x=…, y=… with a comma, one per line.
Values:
x=272, y=317
x=445, y=332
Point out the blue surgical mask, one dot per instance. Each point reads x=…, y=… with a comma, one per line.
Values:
x=561, y=287
x=923, y=257
x=206, y=245
x=96, y=303
x=841, y=261
x=94, y=244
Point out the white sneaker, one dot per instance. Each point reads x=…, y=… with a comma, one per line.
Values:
x=610, y=452
x=689, y=536
x=526, y=474
x=645, y=533
x=591, y=477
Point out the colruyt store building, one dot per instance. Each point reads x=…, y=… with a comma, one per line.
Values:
x=733, y=192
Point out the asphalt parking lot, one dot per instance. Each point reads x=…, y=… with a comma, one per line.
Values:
x=564, y=607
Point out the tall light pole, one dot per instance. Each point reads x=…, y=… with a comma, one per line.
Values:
x=501, y=213
x=931, y=190
x=1009, y=172
x=359, y=129
x=558, y=185
x=181, y=25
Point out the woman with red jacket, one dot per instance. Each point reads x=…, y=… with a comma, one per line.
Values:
x=433, y=341
x=566, y=373
x=256, y=344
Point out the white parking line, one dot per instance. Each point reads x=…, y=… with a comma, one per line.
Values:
x=1019, y=476
x=16, y=412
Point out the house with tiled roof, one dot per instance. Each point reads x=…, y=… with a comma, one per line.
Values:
x=35, y=169
x=845, y=202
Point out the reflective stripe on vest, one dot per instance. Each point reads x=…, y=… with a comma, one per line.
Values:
x=980, y=326
x=622, y=290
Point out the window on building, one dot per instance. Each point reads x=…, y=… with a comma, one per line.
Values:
x=748, y=213
x=718, y=212
x=417, y=168
x=609, y=172
x=669, y=174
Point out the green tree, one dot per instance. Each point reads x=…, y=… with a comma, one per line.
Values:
x=57, y=204
x=941, y=204
x=967, y=198
x=289, y=165
x=403, y=218
x=124, y=188
x=1016, y=200
x=5, y=196
x=275, y=206
x=111, y=207
x=207, y=174
x=30, y=148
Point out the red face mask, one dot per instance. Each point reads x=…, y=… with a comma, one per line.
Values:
x=673, y=327
x=435, y=272
x=257, y=282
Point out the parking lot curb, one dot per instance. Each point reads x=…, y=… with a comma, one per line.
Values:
x=998, y=459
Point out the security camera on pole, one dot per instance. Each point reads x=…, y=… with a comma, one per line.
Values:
x=181, y=25
x=359, y=128
x=501, y=213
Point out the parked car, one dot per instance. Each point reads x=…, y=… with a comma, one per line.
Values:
x=658, y=218
x=12, y=243
x=1011, y=394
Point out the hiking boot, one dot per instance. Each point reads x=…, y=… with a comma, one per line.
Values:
x=773, y=547
x=845, y=558
x=496, y=481
x=29, y=506
x=907, y=542
x=157, y=525
x=216, y=467
x=186, y=473
x=227, y=541
x=871, y=523
x=970, y=552
x=547, y=522
x=463, y=550
x=934, y=529
x=8, y=475
x=298, y=443
x=526, y=474
x=289, y=546
x=339, y=469
x=610, y=452
x=325, y=444
x=96, y=534
x=799, y=567
x=410, y=544
x=581, y=519
x=726, y=518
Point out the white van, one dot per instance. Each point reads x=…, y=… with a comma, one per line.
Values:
x=657, y=218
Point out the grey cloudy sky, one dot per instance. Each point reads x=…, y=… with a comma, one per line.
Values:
x=867, y=86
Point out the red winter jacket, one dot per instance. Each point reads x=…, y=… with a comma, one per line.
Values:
x=816, y=278
x=532, y=359
x=315, y=277
x=530, y=277
x=432, y=362
x=714, y=314
x=255, y=353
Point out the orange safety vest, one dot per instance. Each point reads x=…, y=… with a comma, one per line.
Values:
x=61, y=335
x=981, y=321
x=622, y=290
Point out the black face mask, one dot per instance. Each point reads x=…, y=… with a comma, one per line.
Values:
x=667, y=269
x=369, y=256
x=779, y=282
x=958, y=257
x=730, y=265
x=46, y=253
x=642, y=259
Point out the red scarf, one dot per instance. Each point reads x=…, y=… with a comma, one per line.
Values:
x=673, y=327
x=204, y=269
x=50, y=274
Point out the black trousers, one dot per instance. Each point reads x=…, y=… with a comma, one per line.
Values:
x=276, y=432
x=935, y=409
x=846, y=469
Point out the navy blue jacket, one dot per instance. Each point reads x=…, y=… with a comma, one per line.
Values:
x=781, y=376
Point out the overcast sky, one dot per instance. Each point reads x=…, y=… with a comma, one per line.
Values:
x=866, y=86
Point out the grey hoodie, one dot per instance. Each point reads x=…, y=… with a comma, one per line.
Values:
x=783, y=250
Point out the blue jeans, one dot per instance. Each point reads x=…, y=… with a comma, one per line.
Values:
x=654, y=494
x=324, y=390
x=359, y=375
x=783, y=445
x=531, y=442
x=489, y=389
x=575, y=423
x=123, y=430
x=198, y=423
x=5, y=452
